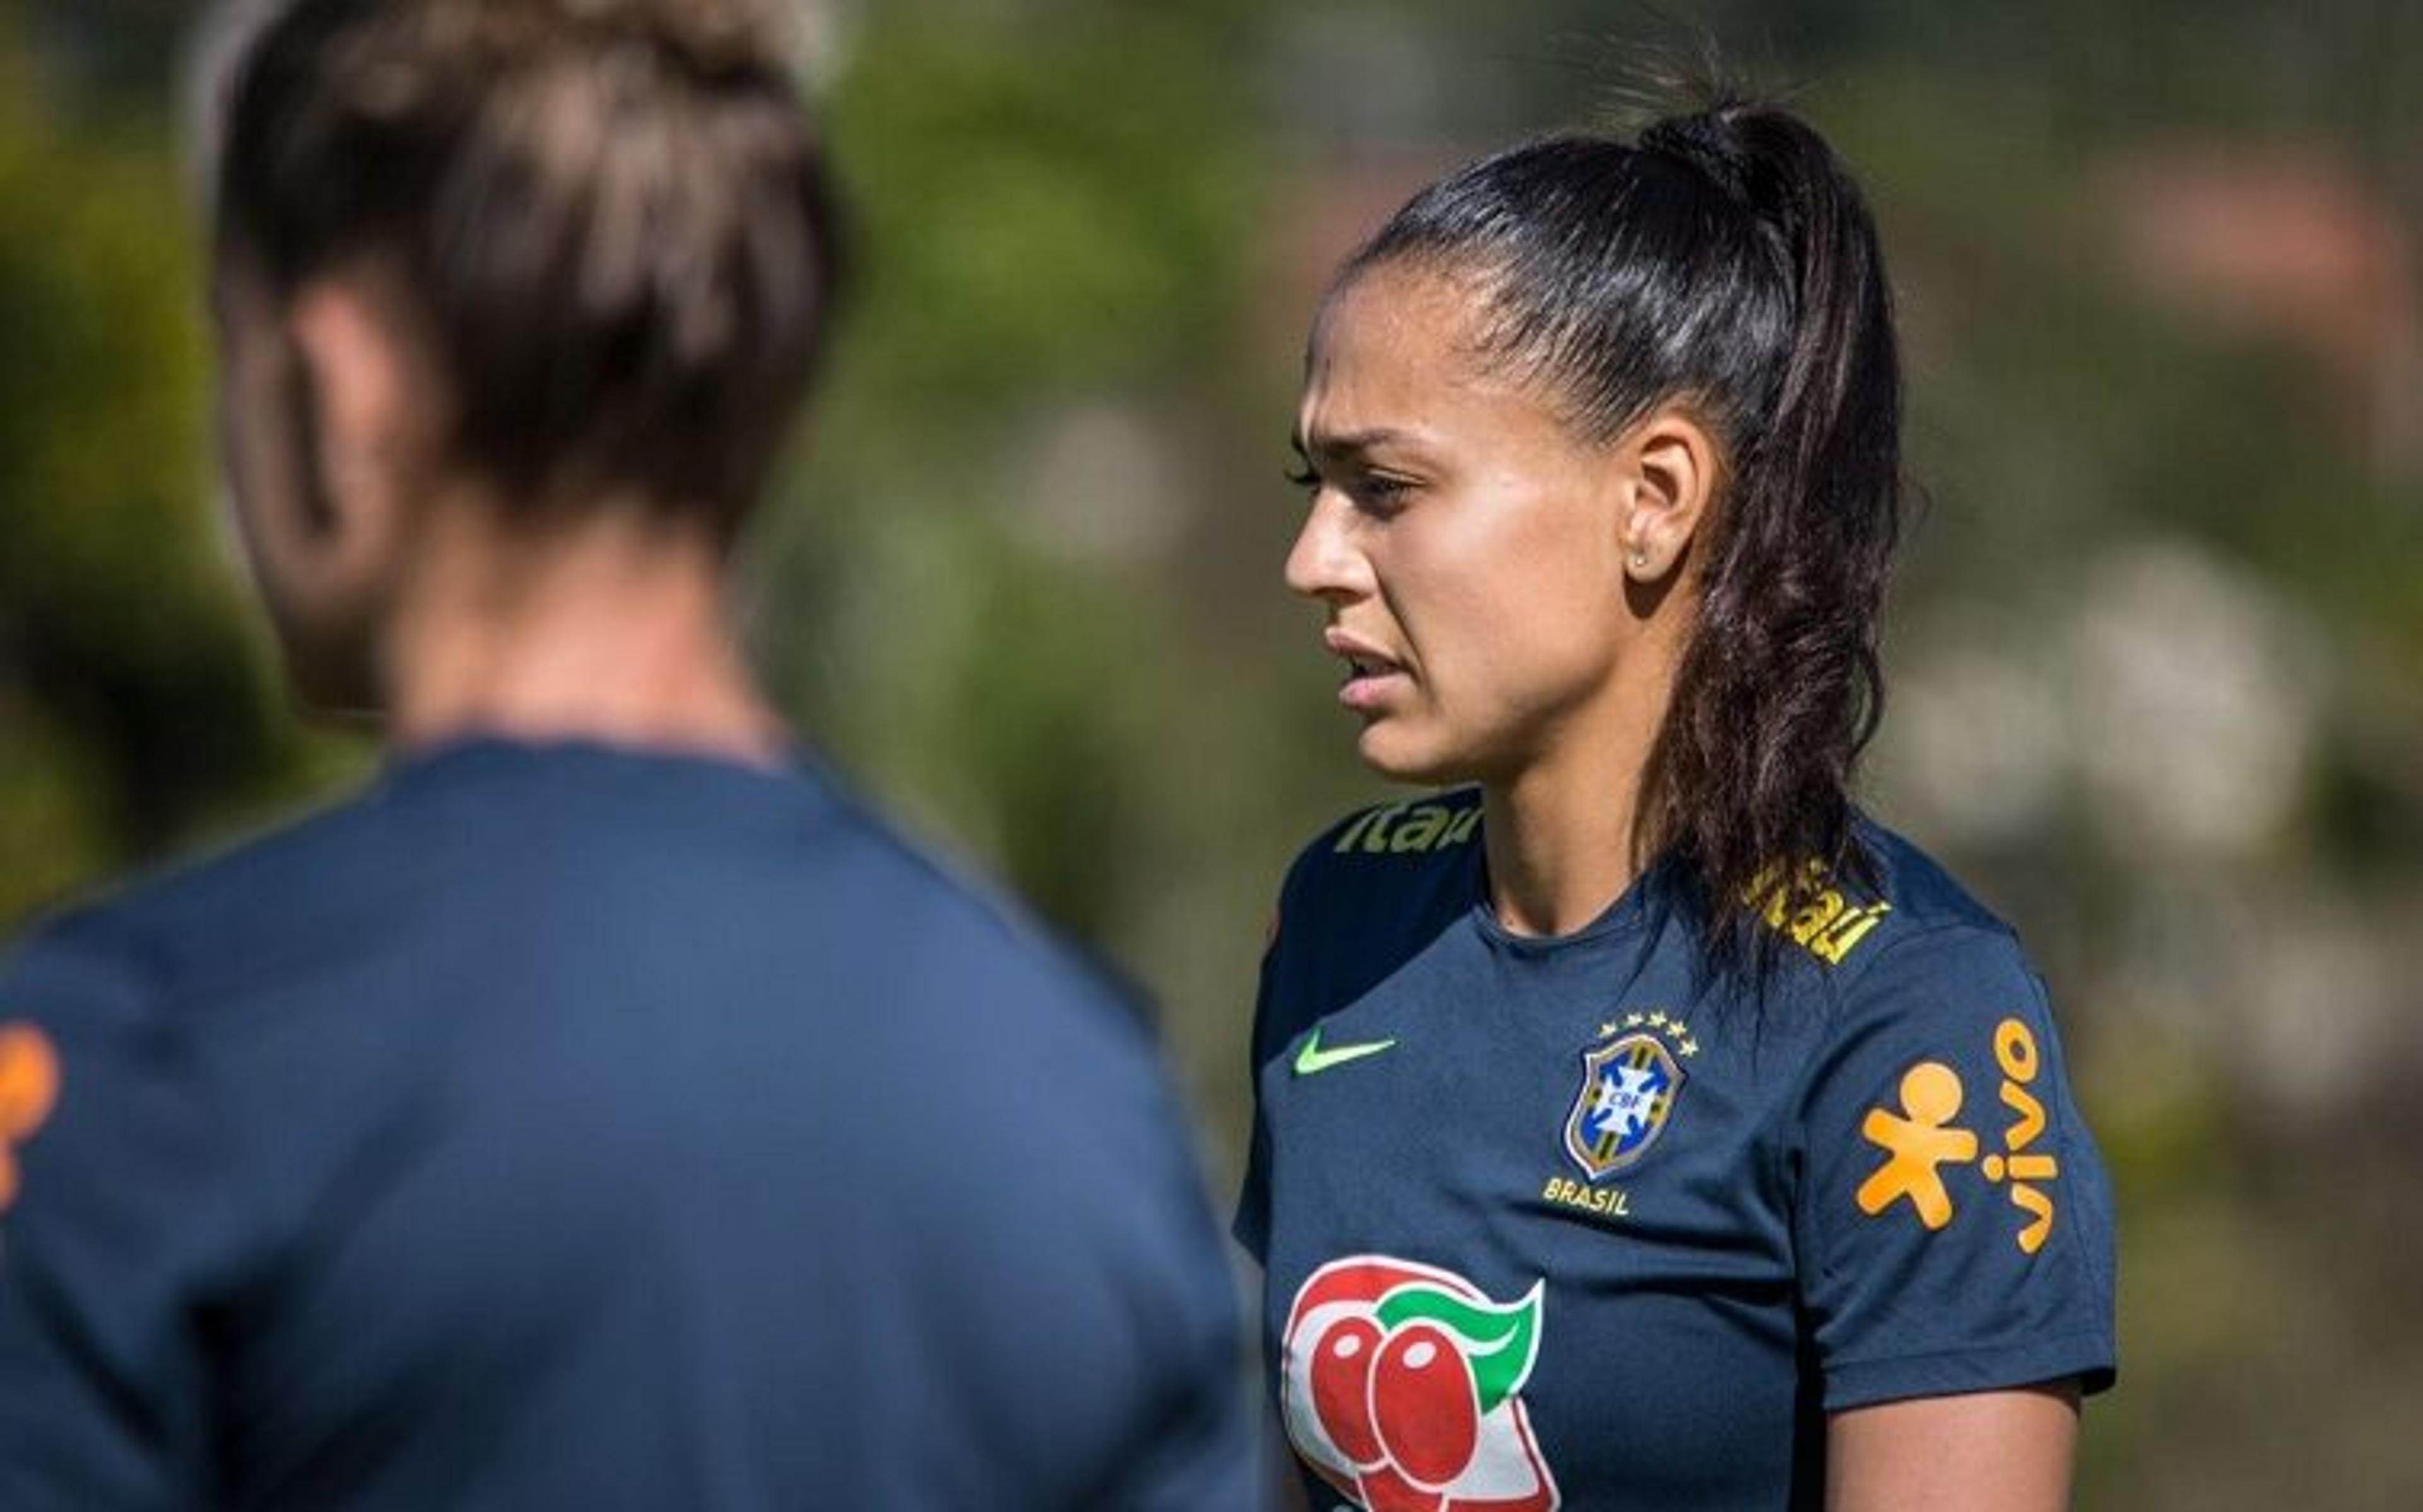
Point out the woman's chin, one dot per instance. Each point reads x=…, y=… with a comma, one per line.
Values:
x=1401, y=755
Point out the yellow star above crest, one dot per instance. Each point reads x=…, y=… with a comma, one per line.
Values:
x=1659, y=1018
x=1632, y=1020
x=1690, y=1048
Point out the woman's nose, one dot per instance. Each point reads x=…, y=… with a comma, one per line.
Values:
x=1326, y=563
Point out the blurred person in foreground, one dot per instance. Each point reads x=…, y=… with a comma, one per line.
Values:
x=602, y=1110
x=1642, y=1125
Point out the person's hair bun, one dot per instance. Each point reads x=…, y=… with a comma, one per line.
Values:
x=1707, y=141
x=608, y=220
x=702, y=37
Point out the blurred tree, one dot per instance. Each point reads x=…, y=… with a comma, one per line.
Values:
x=133, y=696
x=1057, y=221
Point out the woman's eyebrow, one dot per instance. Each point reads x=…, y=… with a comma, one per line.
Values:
x=1347, y=443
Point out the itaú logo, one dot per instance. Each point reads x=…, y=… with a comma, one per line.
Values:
x=1402, y=1386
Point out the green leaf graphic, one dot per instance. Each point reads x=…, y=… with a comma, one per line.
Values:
x=1501, y=1341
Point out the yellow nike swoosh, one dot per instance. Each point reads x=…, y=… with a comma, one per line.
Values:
x=1311, y=1059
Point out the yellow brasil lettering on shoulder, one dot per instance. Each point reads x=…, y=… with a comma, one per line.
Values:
x=1819, y=918
x=1407, y=828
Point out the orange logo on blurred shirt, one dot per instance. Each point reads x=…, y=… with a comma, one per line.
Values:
x=29, y=1085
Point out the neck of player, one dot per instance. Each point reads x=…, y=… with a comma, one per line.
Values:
x=611, y=628
x=1561, y=830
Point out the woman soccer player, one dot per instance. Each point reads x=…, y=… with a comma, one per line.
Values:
x=1641, y=1125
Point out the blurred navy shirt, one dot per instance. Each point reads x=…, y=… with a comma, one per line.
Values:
x=558, y=1126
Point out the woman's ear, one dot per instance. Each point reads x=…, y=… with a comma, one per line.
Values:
x=1672, y=464
x=350, y=379
x=328, y=504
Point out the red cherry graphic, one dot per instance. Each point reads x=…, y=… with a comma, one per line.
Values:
x=1383, y=1489
x=1423, y=1403
x=1341, y=1387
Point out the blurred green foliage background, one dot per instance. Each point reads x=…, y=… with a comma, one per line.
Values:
x=2158, y=649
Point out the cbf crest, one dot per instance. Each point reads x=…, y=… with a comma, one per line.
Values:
x=1629, y=1087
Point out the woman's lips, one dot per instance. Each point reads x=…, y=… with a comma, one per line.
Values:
x=1371, y=675
x=1365, y=692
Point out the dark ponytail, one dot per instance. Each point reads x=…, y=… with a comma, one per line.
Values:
x=1725, y=263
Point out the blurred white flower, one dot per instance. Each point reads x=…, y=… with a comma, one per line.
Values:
x=2321, y=1007
x=2192, y=702
x=1972, y=746
x=1106, y=489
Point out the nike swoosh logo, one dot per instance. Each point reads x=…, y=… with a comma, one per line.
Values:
x=1312, y=1060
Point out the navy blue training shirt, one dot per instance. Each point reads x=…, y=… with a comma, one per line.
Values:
x=1553, y=1222
x=561, y=1126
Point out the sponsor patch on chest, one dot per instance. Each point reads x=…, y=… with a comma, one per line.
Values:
x=1402, y=1387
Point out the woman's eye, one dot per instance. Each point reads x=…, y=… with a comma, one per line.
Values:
x=1381, y=492
x=1375, y=493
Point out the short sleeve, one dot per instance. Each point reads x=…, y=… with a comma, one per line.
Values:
x=1953, y=1217
x=1274, y=1027
x=100, y=1383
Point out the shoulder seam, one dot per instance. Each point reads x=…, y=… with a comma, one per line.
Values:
x=1841, y=986
x=99, y=932
x=1898, y=942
